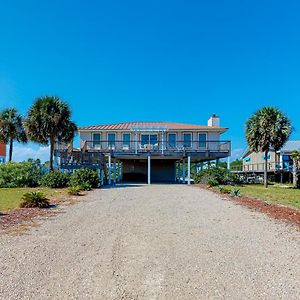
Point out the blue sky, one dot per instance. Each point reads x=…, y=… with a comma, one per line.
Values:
x=179, y=61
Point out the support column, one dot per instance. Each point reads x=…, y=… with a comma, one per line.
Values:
x=178, y=173
x=189, y=170
x=102, y=177
x=119, y=171
x=183, y=171
x=109, y=169
x=149, y=169
x=228, y=162
x=99, y=171
x=115, y=171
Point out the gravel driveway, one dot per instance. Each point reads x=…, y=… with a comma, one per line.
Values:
x=152, y=242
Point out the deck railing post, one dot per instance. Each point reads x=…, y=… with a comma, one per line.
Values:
x=136, y=143
x=162, y=143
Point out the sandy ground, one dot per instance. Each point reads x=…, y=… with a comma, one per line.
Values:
x=152, y=242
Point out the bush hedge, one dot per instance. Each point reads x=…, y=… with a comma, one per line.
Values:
x=55, y=180
x=21, y=174
x=216, y=176
x=85, y=178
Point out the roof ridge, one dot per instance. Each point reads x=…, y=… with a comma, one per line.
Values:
x=156, y=122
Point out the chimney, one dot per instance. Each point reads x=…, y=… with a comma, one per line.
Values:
x=214, y=120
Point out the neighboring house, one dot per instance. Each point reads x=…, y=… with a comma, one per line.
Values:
x=255, y=161
x=277, y=161
x=152, y=151
x=2, y=152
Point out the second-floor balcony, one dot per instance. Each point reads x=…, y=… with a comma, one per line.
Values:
x=159, y=147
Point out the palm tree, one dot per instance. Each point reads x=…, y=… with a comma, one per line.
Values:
x=49, y=121
x=295, y=155
x=267, y=128
x=11, y=129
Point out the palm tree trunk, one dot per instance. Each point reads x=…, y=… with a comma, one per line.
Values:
x=52, y=141
x=11, y=145
x=266, y=169
x=295, y=179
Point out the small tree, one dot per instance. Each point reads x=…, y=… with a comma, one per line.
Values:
x=11, y=129
x=236, y=164
x=296, y=167
x=267, y=128
x=49, y=121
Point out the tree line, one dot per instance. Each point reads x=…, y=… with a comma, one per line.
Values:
x=47, y=121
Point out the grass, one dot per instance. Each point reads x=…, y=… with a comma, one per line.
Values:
x=10, y=198
x=276, y=194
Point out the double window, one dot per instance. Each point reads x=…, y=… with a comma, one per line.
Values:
x=96, y=140
x=148, y=139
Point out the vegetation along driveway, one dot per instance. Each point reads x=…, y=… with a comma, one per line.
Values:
x=152, y=242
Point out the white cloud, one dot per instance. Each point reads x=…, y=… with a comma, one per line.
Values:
x=24, y=152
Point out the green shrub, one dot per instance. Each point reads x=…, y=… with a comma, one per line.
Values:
x=34, y=199
x=85, y=186
x=216, y=176
x=235, y=193
x=212, y=183
x=224, y=190
x=82, y=177
x=74, y=190
x=55, y=180
x=22, y=174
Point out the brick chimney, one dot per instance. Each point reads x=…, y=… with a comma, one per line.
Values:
x=213, y=121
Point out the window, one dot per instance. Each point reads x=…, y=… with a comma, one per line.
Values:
x=148, y=139
x=187, y=140
x=126, y=139
x=202, y=140
x=111, y=137
x=172, y=140
x=96, y=140
x=264, y=156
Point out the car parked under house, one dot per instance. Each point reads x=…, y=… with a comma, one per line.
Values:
x=152, y=151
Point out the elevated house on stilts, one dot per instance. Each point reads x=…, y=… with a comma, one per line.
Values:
x=146, y=151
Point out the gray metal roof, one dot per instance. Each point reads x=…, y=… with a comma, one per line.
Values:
x=291, y=146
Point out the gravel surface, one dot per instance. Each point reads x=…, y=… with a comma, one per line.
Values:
x=152, y=242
